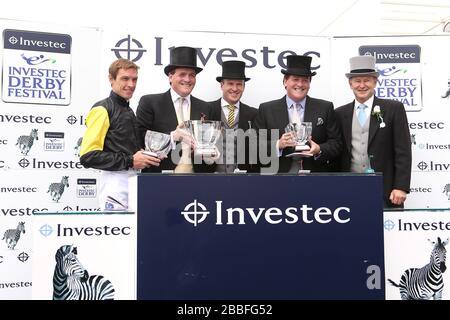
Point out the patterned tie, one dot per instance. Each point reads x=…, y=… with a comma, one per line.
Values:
x=230, y=119
x=362, y=114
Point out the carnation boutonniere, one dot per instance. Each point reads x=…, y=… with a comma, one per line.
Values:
x=377, y=113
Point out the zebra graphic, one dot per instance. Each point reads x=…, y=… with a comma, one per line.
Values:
x=78, y=146
x=12, y=236
x=26, y=142
x=447, y=190
x=447, y=94
x=71, y=281
x=426, y=282
x=56, y=189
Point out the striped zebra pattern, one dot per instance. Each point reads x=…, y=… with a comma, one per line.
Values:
x=426, y=282
x=447, y=94
x=12, y=236
x=57, y=189
x=78, y=146
x=71, y=281
x=413, y=139
x=447, y=190
x=26, y=142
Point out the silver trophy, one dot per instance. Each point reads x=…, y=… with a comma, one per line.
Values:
x=205, y=134
x=301, y=132
x=157, y=144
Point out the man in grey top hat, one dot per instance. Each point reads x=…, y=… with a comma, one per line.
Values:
x=165, y=112
x=375, y=133
x=237, y=120
x=297, y=106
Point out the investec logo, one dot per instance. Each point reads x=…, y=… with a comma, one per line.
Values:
x=265, y=56
x=196, y=213
x=37, y=164
x=61, y=230
x=433, y=166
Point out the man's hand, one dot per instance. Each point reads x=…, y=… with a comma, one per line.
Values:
x=286, y=140
x=213, y=157
x=142, y=160
x=180, y=134
x=314, y=148
x=397, y=196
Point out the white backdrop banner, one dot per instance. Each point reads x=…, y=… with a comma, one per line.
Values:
x=84, y=256
x=50, y=79
x=411, y=243
x=264, y=56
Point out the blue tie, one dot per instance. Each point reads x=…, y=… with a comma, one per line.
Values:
x=362, y=114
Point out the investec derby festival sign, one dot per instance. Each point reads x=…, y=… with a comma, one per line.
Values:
x=400, y=75
x=36, y=67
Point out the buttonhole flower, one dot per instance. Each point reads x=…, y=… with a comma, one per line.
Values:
x=377, y=113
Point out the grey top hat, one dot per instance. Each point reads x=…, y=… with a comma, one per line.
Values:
x=299, y=66
x=362, y=66
x=182, y=57
x=233, y=70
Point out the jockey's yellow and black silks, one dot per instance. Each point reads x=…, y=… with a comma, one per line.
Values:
x=111, y=137
x=97, y=123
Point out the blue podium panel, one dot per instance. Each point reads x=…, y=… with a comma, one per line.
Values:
x=260, y=237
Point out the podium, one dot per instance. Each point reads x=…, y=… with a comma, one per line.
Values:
x=233, y=237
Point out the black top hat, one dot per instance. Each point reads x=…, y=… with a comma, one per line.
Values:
x=299, y=66
x=234, y=70
x=182, y=57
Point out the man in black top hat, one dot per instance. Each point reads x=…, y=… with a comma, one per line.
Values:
x=237, y=118
x=297, y=106
x=165, y=112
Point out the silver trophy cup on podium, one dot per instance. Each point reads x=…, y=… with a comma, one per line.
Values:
x=157, y=144
x=205, y=134
x=301, y=132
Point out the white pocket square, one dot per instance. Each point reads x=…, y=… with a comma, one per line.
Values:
x=319, y=121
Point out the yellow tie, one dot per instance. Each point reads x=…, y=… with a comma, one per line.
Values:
x=230, y=119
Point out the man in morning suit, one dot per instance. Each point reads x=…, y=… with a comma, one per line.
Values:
x=235, y=115
x=375, y=133
x=296, y=106
x=165, y=112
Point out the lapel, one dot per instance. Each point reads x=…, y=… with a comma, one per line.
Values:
x=171, y=113
x=243, y=118
x=374, y=123
x=281, y=116
x=216, y=110
x=196, y=112
x=347, y=118
x=308, y=114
